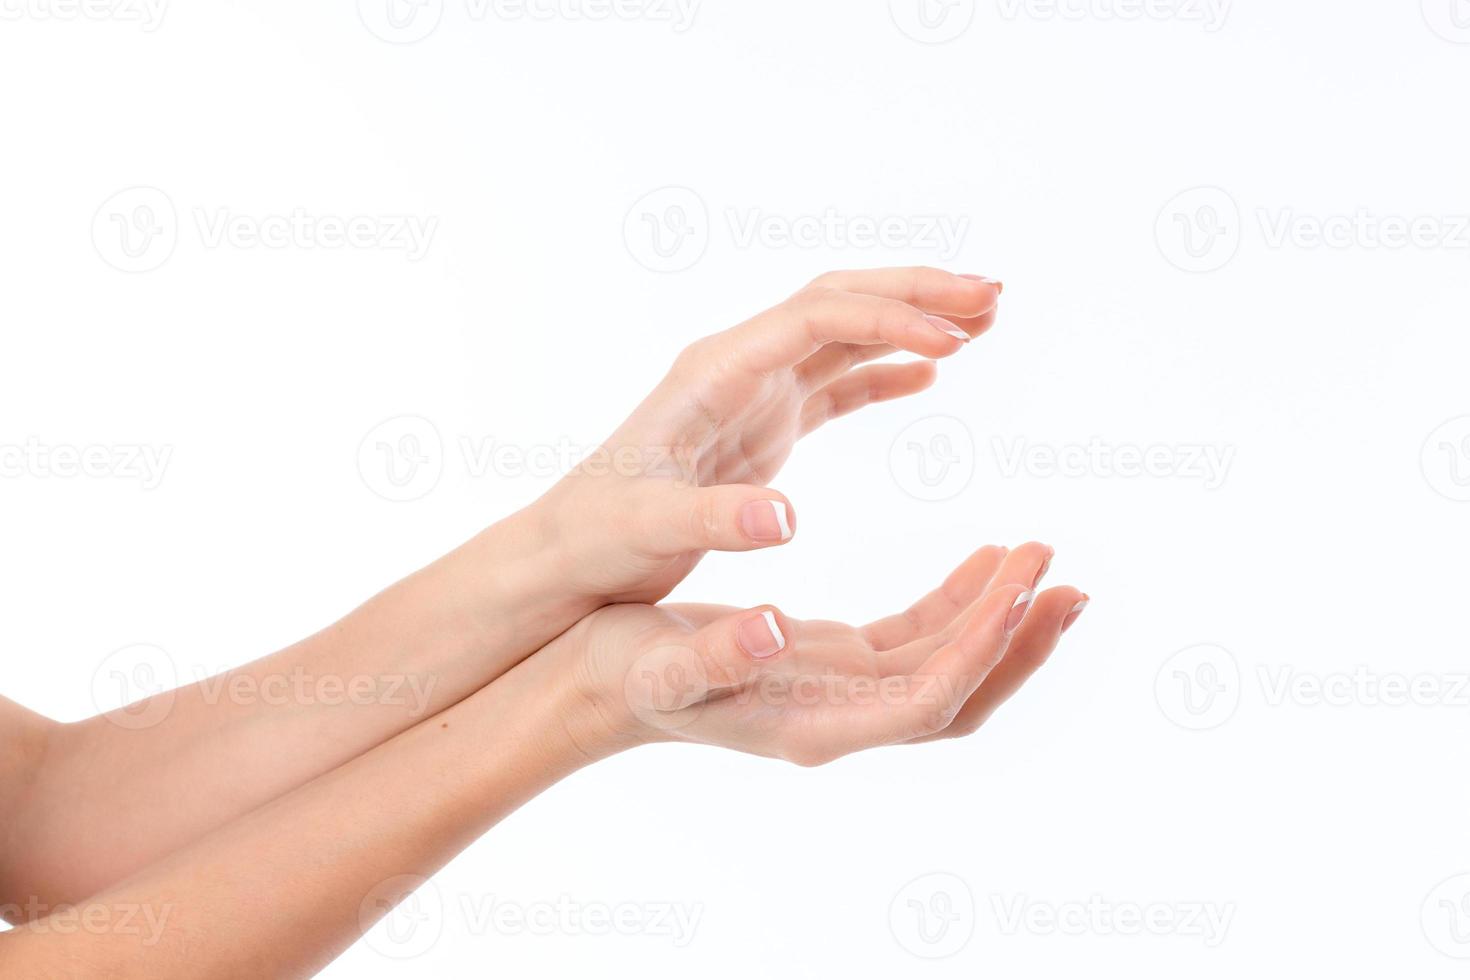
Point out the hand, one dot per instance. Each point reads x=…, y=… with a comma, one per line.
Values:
x=809, y=692
x=687, y=472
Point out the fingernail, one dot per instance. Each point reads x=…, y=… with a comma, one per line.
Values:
x=760, y=636
x=948, y=327
x=1000, y=287
x=766, y=520
x=1041, y=572
x=1018, y=610
x=1076, y=611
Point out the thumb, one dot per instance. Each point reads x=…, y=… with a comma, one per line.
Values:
x=724, y=518
x=734, y=648
x=669, y=684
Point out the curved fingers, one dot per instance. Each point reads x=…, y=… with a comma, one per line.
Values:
x=941, y=607
x=868, y=386
x=908, y=706
x=1052, y=613
x=788, y=334
x=932, y=290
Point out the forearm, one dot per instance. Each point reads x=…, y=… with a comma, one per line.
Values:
x=217, y=908
x=113, y=797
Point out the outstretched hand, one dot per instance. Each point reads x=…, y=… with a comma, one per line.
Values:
x=762, y=682
x=687, y=472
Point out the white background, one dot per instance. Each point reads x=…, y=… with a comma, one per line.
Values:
x=1332, y=549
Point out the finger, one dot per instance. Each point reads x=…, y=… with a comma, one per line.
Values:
x=669, y=684
x=1053, y=612
x=675, y=520
x=734, y=648
x=932, y=290
x=787, y=334
x=868, y=386
x=939, y=608
x=927, y=701
x=835, y=360
x=975, y=325
x=1026, y=565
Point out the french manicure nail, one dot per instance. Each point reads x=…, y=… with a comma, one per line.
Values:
x=948, y=327
x=1018, y=610
x=766, y=520
x=1076, y=611
x=760, y=636
x=1041, y=572
x=1000, y=287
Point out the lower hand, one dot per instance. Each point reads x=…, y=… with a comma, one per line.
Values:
x=809, y=692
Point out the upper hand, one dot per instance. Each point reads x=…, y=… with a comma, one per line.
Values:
x=687, y=471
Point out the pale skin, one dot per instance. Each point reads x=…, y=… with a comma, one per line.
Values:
x=538, y=647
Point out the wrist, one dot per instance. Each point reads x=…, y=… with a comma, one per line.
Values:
x=517, y=568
